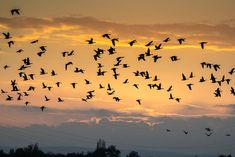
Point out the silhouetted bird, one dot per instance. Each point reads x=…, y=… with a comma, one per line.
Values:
x=216, y=66
x=217, y=92
x=3, y=92
x=42, y=71
x=155, y=78
x=174, y=58
x=111, y=93
x=53, y=73
x=10, y=43
x=209, y=134
x=15, y=11
x=156, y=57
x=136, y=86
x=139, y=101
x=232, y=71
x=67, y=64
x=169, y=89
x=114, y=40
x=43, y=48
x=141, y=57
x=74, y=84
x=208, y=129
x=131, y=43
x=26, y=103
x=35, y=41
x=78, y=70
x=191, y=75
x=19, y=51
x=109, y=87
x=125, y=66
x=111, y=50
x=126, y=81
x=158, y=47
x=203, y=64
x=116, y=99
x=203, y=44
x=7, y=35
x=46, y=98
x=166, y=40
x=202, y=79
x=71, y=53
x=100, y=86
x=190, y=86
x=87, y=81
x=60, y=100
x=183, y=77
x=232, y=91
x=181, y=40
x=148, y=52
x=6, y=67
x=106, y=35
x=178, y=99
x=171, y=97
x=9, y=98
x=58, y=84
x=91, y=41
x=42, y=108
x=149, y=43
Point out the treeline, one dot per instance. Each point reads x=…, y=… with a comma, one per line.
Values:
x=100, y=151
x=34, y=151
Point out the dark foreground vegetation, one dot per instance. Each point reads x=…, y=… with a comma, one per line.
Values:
x=34, y=151
x=101, y=150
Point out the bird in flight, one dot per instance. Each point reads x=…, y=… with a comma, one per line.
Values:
x=181, y=40
x=190, y=86
x=67, y=64
x=139, y=101
x=166, y=40
x=149, y=43
x=34, y=41
x=42, y=108
x=131, y=43
x=203, y=44
x=106, y=35
x=15, y=11
x=158, y=47
x=183, y=77
x=10, y=43
x=7, y=35
x=114, y=40
x=174, y=58
x=90, y=41
x=185, y=132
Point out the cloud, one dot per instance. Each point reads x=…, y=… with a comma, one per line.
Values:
x=31, y=115
x=230, y=108
x=129, y=135
x=218, y=35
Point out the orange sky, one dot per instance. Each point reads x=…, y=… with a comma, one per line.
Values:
x=67, y=28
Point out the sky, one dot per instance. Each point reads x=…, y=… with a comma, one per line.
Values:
x=66, y=25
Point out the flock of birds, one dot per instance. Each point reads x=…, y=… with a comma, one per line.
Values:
x=100, y=72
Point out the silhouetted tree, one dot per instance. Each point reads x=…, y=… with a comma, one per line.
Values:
x=133, y=154
x=2, y=154
x=113, y=152
x=101, y=144
x=34, y=151
x=222, y=155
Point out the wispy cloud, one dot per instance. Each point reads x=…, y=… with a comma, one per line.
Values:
x=29, y=115
x=218, y=36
